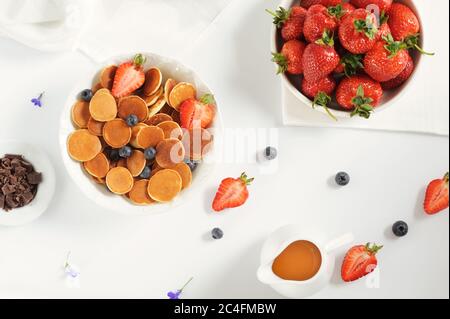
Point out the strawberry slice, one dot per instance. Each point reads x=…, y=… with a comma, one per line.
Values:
x=232, y=193
x=359, y=262
x=436, y=199
x=129, y=77
x=195, y=114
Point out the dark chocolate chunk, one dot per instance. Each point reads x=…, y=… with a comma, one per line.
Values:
x=34, y=178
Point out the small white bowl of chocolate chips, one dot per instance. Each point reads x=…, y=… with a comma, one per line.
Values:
x=27, y=183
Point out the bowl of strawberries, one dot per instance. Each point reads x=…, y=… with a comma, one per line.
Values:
x=347, y=58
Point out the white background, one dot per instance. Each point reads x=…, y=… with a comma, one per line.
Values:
x=144, y=257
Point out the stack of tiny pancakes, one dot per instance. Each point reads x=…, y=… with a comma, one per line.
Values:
x=101, y=126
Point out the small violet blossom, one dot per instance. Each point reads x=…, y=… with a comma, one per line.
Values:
x=69, y=270
x=38, y=101
x=175, y=295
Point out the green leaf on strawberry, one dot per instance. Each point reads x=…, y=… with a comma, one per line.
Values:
x=327, y=39
x=280, y=16
x=412, y=42
x=368, y=27
x=322, y=99
x=352, y=63
x=363, y=104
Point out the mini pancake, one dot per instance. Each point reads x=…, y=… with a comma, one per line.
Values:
x=107, y=77
x=80, y=114
x=149, y=136
x=169, y=153
x=164, y=186
x=180, y=93
x=185, y=173
x=176, y=116
x=171, y=129
x=158, y=118
x=117, y=133
x=136, y=163
x=119, y=181
x=83, y=146
x=152, y=99
x=153, y=81
x=134, y=132
x=139, y=194
x=103, y=106
x=97, y=87
x=168, y=87
x=133, y=105
x=197, y=143
x=98, y=167
x=95, y=127
x=155, y=108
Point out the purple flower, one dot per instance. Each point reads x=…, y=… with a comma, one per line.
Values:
x=38, y=101
x=69, y=269
x=175, y=295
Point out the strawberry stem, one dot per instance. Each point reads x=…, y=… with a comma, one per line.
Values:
x=362, y=104
x=322, y=99
x=327, y=38
x=247, y=181
x=280, y=16
x=352, y=63
x=373, y=249
x=337, y=11
x=139, y=60
x=412, y=42
x=208, y=99
x=392, y=46
x=368, y=27
x=282, y=62
x=446, y=178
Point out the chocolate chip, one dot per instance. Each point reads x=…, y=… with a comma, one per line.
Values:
x=18, y=182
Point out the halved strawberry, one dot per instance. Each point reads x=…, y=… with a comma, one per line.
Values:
x=129, y=77
x=198, y=114
x=436, y=199
x=359, y=262
x=232, y=193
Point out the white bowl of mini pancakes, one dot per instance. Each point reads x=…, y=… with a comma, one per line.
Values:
x=100, y=194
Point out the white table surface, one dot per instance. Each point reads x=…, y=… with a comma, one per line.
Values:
x=144, y=257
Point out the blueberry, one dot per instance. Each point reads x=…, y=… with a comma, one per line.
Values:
x=114, y=155
x=132, y=120
x=217, y=233
x=192, y=164
x=270, y=153
x=150, y=153
x=342, y=178
x=125, y=152
x=400, y=229
x=146, y=173
x=86, y=95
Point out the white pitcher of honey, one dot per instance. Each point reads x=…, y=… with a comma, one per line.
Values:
x=298, y=262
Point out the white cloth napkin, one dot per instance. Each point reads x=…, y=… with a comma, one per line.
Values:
x=103, y=28
x=424, y=108
x=47, y=25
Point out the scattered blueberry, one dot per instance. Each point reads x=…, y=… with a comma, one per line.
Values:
x=86, y=95
x=114, y=155
x=342, y=178
x=192, y=164
x=400, y=229
x=217, y=233
x=132, y=120
x=270, y=153
x=150, y=153
x=125, y=152
x=146, y=173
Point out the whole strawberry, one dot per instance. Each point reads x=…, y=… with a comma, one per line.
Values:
x=326, y=3
x=129, y=77
x=358, y=32
x=289, y=21
x=320, y=59
x=360, y=94
x=341, y=11
x=384, y=30
x=405, y=26
x=384, y=5
x=386, y=60
x=320, y=92
x=402, y=77
x=318, y=20
x=290, y=59
x=436, y=198
x=359, y=262
x=403, y=22
x=350, y=64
